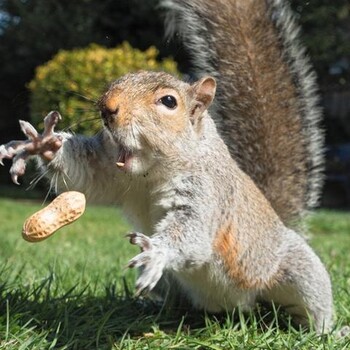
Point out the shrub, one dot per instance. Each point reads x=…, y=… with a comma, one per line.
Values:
x=72, y=81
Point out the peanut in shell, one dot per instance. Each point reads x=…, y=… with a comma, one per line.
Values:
x=63, y=210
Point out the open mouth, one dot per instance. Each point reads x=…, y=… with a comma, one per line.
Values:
x=124, y=158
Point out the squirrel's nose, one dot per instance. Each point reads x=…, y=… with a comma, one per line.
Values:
x=109, y=117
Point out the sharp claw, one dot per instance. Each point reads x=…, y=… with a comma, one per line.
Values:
x=18, y=166
x=53, y=117
x=140, y=240
x=2, y=153
x=15, y=179
x=28, y=130
x=131, y=264
x=131, y=236
x=50, y=121
x=141, y=291
x=56, y=114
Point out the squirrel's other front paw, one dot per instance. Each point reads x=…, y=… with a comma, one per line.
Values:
x=151, y=262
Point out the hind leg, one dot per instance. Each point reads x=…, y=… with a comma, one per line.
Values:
x=304, y=287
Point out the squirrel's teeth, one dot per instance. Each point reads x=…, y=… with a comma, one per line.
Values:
x=124, y=156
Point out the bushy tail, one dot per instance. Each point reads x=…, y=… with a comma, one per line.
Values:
x=266, y=107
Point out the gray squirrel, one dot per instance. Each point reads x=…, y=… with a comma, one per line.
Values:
x=213, y=195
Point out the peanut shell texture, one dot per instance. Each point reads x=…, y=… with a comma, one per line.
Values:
x=63, y=210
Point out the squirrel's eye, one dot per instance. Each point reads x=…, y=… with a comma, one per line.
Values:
x=168, y=101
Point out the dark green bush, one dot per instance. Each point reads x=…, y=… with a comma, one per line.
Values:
x=72, y=81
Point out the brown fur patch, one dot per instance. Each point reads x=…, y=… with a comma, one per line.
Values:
x=111, y=102
x=227, y=247
x=239, y=269
x=117, y=100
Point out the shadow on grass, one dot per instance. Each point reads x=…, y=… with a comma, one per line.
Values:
x=79, y=320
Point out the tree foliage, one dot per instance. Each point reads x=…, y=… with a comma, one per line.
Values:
x=326, y=33
x=73, y=80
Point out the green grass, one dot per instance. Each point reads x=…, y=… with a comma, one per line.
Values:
x=72, y=291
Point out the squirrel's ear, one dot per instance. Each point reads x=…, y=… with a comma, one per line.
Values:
x=203, y=94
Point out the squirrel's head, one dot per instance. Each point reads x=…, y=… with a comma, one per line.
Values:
x=151, y=115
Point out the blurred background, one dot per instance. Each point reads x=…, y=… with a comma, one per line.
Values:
x=61, y=54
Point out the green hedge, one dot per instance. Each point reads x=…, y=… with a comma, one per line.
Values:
x=72, y=81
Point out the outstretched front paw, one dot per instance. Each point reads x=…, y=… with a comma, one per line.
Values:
x=45, y=145
x=151, y=262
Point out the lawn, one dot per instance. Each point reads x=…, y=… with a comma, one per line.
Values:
x=72, y=291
